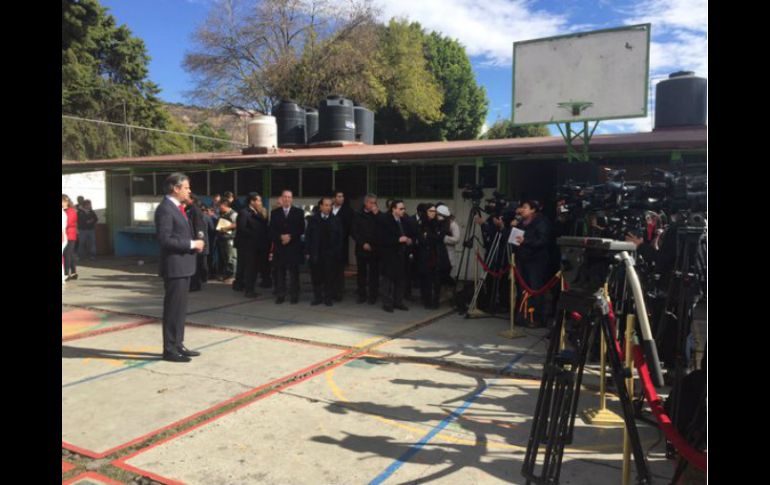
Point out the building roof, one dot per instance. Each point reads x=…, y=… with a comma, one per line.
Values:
x=685, y=139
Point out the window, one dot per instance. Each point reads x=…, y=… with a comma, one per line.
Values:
x=284, y=178
x=249, y=180
x=394, y=181
x=466, y=176
x=316, y=182
x=435, y=181
x=221, y=182
x=352, y=181
x=488, y=176
x=141, y=184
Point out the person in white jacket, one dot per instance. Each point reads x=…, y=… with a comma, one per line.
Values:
x=451, y=241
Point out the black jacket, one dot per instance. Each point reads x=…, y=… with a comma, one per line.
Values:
x=345, y=215
x=313, y=239
x=537, y=240
x=200, y=228
x=86, y=219
x=289, y=254
x=432, y=253
x=174, y=234
x=364, y=231
x=392, y=253
x=251, y=233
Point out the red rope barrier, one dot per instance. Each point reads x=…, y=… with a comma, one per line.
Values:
x=494, y=274
x=533, y=293
x=695, y=457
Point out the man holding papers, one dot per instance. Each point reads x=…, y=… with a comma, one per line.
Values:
x=530, y=235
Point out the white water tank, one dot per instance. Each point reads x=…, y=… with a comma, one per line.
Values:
x=263, y=132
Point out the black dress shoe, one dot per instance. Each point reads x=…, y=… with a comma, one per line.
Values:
x=315, y=302
x=361, y=299
x=388, y=309
x=169, y=357
x=337, y=298
x=328, y=303
x=251, y=294
x=294, y=300
x=401, y=307
x=371, y=301
x=187, y=352
x=280, y=299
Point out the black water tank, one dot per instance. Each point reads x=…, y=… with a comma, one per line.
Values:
x=680, y=100
x=364, y=125
x=291, y=123
x=311, y=124
x=336, y=119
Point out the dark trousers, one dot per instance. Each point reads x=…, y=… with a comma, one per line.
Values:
x=201, y=273
x=280, y=280
x=338, y=280
x=430, y=287
x=534, y=274
x=70, y=258
x=323, y=275
x=368, y=275
x=265, y=270
x=392, y=291
x=174, y=312
x=248, y=265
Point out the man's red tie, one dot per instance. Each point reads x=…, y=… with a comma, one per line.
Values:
x=181, y=208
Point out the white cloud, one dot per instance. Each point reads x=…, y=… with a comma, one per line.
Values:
x=680, y=34
x=486, y=29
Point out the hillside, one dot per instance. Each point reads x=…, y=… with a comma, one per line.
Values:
x=191, y=116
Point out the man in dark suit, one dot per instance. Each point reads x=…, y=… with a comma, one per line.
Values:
x=178, y=249
x=252, y=241
x=364, y=232
x=392, y=244
x=342, y=211
x=287, y=224
x=323, y=241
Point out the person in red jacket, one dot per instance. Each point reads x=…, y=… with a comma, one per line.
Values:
x=70, y=270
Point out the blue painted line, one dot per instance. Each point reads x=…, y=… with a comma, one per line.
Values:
x=139, y=364
x=415, y=448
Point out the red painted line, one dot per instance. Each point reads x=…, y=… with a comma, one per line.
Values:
x=94, y=454
x=66, y=466
x=116, y=328
x=121, y=462
x=95, y=476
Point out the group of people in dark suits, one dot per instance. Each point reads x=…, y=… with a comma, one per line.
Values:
x=389, y=247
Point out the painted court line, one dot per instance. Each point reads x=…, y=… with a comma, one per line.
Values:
x=141, y=363
x=414, y=449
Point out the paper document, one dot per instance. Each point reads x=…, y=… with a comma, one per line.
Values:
x=223, y=223
x=515, y=232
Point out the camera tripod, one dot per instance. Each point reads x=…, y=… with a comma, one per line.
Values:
x=499, y=244
x=683, y=295
x=587, y=262
x=469, y=239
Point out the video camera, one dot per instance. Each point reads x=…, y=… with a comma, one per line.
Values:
x=473, y=192
x=500, y=206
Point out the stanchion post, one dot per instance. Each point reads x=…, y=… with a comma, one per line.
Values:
x=602, y=416
x=513, y=332
x=562, y=343
x=630, y=323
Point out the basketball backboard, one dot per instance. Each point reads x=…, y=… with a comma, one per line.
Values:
x=598, y=75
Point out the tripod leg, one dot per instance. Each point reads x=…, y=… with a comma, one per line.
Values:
x=643, y=474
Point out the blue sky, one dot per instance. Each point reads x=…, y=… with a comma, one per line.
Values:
x=486, y=28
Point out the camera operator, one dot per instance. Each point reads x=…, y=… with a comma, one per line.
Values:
x=500, y=215
x=532, y=253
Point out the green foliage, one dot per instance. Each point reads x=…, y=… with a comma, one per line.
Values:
x=506, y=129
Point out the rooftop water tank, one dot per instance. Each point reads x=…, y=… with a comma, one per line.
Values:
x=290, y=118
x=263, y=132
x=680, y=100
x=311, y=124
x=364, y=125
x=336, y=119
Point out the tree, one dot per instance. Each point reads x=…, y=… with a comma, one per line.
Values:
x=104, y=76
x=413, y=97
x=465, y=103
x=506, y=129
x=249, y=54
x=205, y=145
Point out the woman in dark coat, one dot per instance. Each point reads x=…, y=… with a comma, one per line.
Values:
x=201, y=231
x=433, y=259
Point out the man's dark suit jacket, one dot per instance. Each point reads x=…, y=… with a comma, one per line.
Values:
x=290, y=254
x=174, y=234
